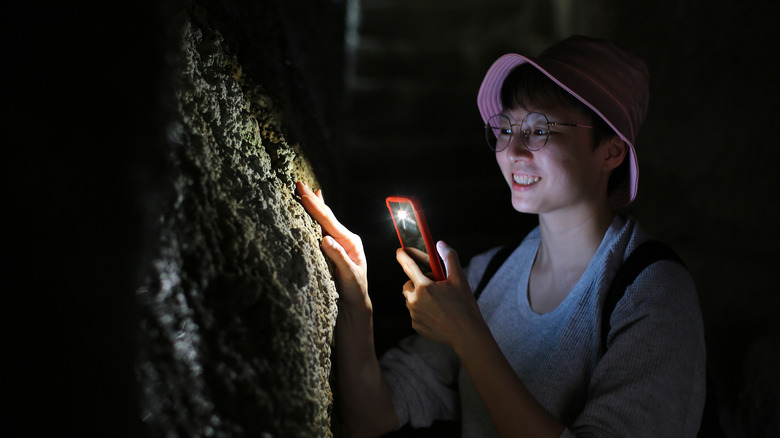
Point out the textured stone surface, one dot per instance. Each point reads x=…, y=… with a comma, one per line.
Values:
x=238, y=311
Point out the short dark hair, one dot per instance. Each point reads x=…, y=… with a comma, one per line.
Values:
x=526, y=86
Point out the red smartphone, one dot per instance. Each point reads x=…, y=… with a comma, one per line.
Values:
x=413, y=232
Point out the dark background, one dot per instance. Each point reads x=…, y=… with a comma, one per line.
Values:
x=708, y=153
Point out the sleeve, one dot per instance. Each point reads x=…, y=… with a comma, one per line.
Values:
x=423, y=380
x=423, y=374
x=651, y=380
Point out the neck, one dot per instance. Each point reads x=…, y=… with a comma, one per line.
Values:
x=571, y=239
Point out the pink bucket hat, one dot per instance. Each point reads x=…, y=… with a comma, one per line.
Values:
x=608, y=80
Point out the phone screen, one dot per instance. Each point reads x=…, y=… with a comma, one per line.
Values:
x=412, y=230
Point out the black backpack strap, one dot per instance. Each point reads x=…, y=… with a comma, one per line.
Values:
x=640, y=258
x=496, y=261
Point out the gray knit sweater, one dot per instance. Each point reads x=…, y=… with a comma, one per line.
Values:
x=649, y=383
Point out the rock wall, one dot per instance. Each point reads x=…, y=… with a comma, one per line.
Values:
x=239, y=308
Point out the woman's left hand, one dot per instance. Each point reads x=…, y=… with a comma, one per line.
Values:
x=440, y=310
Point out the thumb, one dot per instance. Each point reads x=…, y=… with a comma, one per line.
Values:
x=451, y=260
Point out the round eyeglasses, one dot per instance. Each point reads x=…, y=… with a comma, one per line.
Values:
x=534, y=131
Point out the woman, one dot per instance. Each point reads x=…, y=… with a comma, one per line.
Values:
x=527, y=358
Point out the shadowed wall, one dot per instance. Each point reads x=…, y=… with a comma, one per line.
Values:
x=162, y=279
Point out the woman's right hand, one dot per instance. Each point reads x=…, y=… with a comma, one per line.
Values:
x=343, y=247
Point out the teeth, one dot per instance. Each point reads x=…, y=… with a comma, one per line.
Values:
x=525, y=180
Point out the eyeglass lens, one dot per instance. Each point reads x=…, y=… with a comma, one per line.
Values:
x=533, y=131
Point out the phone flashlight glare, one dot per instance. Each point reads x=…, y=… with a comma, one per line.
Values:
x=406, y=220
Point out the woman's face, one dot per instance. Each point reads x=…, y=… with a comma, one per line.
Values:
x=565, y=174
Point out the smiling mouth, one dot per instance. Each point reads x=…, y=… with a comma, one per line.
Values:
x=525, y=180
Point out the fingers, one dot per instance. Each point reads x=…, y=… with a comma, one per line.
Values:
x=410, y=268
x=408, y=290
x=320, y=212
x=314, y=204
x=304, y=191
x=451, y=261
x=337, y=254
x=421, y=257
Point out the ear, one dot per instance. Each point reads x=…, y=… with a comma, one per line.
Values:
x=614, y=153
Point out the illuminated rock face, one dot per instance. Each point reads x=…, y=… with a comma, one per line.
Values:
x=238, y=310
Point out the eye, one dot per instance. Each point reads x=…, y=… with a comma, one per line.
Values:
x=501, y=131
x=540, y=131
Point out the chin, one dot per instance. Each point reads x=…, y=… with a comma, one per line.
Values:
x=523, y=206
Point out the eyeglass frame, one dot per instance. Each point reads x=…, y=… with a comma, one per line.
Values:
x=524, y=138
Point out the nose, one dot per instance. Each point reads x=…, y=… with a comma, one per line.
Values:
x=516, y=150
